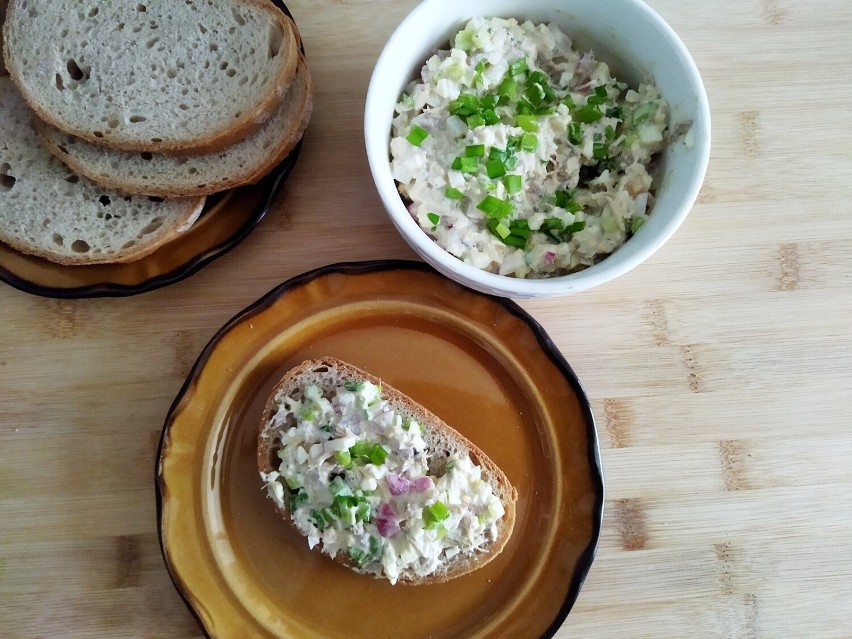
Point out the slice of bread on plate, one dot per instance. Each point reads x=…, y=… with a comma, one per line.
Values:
x=377, y=481
x=192, y=76
x=169, y=176
x=48, y=211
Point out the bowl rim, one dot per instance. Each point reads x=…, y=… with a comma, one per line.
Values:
x=600, y=273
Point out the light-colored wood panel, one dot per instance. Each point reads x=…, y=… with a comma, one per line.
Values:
x=718, y=370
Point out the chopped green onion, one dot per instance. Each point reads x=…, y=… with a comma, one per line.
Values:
x=528, y=123
x=525, y=107
x=363, y=452
x=576, y=227
x=339, y=487
x=636, y=223
x=495, y=169
x=537, y=77
x=465, y=105
x=475, y=120
x=353, y=386
x=563, y=197
x=495, y=207
x=535, y=94
x=521, y=228
x=498, y=228
x=359, y=556
x=297, y=499
x=515, y=240
x=599, y=151
x=378, y=455
x=490, y=116
x=293, y=483
x=615, y=112
x=453, y=194
x=518, y=67
x=322, y=519
x=344, y=458
x=488, y=101
x=552, y=223
x=575, y=133
x=465, y=165
x=417, y=135
x=360, y=449
x=609, y=133
x=474, y=151
x=644, y=112
x=434, y=514
x=513, y=183
x=588, y=114
x=477, y=79
x=508, y=88
x=529, y=142
x=363, y=512
x=506, y=156
x=434, y=218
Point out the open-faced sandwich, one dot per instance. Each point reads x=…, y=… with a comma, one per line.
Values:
x=378, y=482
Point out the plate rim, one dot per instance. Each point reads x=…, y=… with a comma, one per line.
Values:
x=586, y=557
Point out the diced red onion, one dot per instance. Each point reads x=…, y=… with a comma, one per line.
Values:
x=422, y=484
x=549, y=257
x=398, y=484
x=386, y=521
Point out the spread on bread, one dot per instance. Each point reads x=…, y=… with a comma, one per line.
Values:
x=359, y=475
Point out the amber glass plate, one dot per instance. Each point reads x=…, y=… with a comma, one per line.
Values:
x=227, y=219
x=479, y=362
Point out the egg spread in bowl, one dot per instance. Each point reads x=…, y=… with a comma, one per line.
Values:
x=522, y=156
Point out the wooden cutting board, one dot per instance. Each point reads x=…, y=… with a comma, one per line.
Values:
x=719, y=370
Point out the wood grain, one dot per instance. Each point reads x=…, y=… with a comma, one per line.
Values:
x=718, y=370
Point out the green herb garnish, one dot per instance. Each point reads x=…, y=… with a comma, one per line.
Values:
x=417, y=135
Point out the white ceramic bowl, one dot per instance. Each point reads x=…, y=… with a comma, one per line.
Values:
x=633, y=40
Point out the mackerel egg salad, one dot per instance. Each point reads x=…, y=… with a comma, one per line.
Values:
x=522, y=156
x=358, y=478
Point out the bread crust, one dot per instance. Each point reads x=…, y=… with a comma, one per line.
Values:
x=180, y=225
x=3, y=4
x=491, y=472
x=178, y=218
x=295, y=110
x=216, y=141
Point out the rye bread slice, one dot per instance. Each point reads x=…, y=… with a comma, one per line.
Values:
x=3, y=5
x=48, y=211
x=193, y=76
x=166, y=175
x=329, y=373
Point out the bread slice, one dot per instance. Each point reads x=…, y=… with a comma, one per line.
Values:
x=3, y=5
x=166, y=175
x=48, y=211
x=398, y=517
x=192, y=76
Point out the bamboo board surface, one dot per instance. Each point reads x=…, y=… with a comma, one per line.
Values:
x=718, y=370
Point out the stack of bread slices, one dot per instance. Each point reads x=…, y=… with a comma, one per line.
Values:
x=117, y=119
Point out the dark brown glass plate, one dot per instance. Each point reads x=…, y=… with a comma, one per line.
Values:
x=479, y=362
